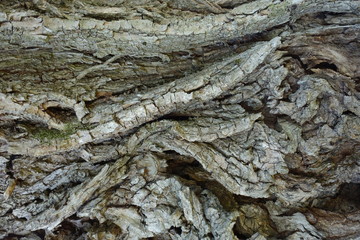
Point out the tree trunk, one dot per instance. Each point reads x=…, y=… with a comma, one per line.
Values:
x=173, y=119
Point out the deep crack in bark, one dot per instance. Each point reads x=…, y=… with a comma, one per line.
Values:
x=206, y=119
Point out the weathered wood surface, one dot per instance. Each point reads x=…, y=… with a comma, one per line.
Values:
x=173, y=119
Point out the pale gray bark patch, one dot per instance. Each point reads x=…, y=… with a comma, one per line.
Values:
x=201, y=119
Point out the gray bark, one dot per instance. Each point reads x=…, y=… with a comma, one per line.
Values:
x=206, y=119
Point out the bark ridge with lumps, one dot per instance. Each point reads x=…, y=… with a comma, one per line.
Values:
x=174, y=119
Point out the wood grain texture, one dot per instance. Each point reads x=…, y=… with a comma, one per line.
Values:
x=173, y=119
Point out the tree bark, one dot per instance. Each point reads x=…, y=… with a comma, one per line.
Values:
x=172, y=119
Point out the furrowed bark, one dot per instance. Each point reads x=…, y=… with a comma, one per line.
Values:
x=216, y=119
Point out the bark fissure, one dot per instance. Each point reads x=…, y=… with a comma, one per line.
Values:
x=201, y=119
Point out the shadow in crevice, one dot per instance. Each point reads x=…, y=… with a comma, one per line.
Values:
x=62, y=114
x=190, y=169
x=346, y=201
x=326, y=65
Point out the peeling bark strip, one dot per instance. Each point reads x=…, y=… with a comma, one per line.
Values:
x=141, y=108
x=206, y=119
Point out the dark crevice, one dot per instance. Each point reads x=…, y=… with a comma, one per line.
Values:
x=104, y=17
x=223, y=97
x=13, y=236
x=325, y=65
x=250, y=107
x=350, y=192
x=178, y=167
x=265, y=35
x=357, y=84
x=107, y=161
x=209, y=236
x=75, y=227
x=62, y=114
x=349, y=113
x=176, y=230
x=320, y=15
x=300, y=172
x=192, y=170
x=345, y=201
x=272, y=120
x=240, y=199
x=232, y=4
x=180, y=55
x=171, y=152
x=265, y=227
x=9, y=166
x=298, y=58
x=174, y=117
x=40, y=233
x=324, y=14
x=83, y=52
x=126, y=58
x=238, y=233
x=285, y=234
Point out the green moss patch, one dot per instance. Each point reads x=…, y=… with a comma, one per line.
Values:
x=46, y=135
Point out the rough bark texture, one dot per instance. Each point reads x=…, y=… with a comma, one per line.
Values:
x=174, y=119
